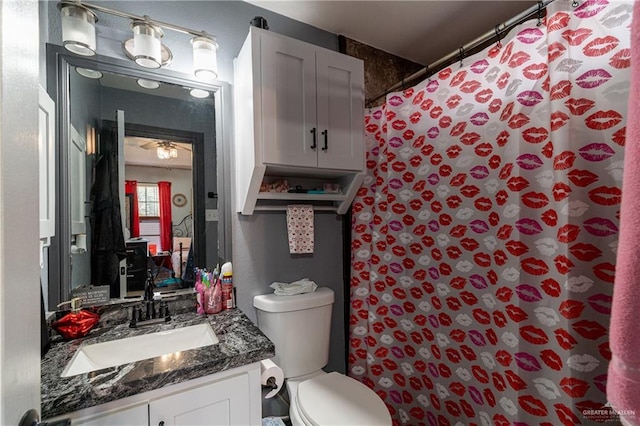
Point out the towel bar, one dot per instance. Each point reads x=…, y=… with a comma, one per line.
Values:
x=284, y=208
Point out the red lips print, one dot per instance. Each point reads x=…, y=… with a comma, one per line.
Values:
x=603, y=120
x=561, y=89
x=582, y=178
x=534, y=266
x=621, y=60
x=470, y=86
x=534, y=335
x=565, y=339
x=600, y=46
x=535, y=135
x=483, y=96
x=558, y=119
x=566, y=417
x=551, y=359
x=518, y=120
x=619, y=136
x=517, y=183
x=591, y=330
x=535, y=71
x=557, y=21
x=515, y=381
x=551, y=287
x=585, y=252
x=518, y=58
x=605, y=271
x=532, y=405
x=576, y=37
x=534, y=200
x=579, y=106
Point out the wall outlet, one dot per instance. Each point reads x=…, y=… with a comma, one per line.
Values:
x=211, y=215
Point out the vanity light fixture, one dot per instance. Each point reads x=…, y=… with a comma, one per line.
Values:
x=78, y=28
x=89, y=73
x=199, y=93
x=205, y=57
x=145, y=48
x=148, y=84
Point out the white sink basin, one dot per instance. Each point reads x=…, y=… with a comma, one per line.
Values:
x=123, y=351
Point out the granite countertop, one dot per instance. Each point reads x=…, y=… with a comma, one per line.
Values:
x=241, y=343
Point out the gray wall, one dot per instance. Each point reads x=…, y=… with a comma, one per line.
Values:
x=260, y=250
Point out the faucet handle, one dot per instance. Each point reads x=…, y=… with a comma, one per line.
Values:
x=136, y=315
x=163, y=310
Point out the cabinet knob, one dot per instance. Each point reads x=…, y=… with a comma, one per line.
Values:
x=325, y=133
x=314, y=145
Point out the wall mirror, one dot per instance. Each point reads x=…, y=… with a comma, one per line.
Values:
x=141, y=187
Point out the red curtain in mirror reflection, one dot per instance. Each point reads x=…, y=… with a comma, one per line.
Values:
x=164, y=194
x=164, y=199
x=131, y=189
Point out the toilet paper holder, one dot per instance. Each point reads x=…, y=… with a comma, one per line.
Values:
x=270, y=384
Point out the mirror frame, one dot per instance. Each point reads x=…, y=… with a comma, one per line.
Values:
x=59, y=66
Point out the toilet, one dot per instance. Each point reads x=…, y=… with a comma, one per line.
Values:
x=299, y=326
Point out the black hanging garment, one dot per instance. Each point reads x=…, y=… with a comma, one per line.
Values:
x=107, y=243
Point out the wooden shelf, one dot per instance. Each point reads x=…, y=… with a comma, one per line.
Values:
x=300, y=197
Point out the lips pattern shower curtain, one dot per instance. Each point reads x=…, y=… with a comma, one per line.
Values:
x=484, y=237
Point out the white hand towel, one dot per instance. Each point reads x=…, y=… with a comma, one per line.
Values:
x=300, y=228
x=304, y=285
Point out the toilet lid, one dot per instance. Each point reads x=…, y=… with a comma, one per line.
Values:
x=335, y=399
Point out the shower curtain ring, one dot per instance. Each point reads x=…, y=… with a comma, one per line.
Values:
x=461, y=55
x=499, y=44
x=575, y=3
x=540, y=6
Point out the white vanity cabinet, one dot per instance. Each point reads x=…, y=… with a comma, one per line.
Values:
x=231, y=397
x=220, y=403
x=299, y=112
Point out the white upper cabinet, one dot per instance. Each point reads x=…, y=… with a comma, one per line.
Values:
x=313, y=112
x=299, y=113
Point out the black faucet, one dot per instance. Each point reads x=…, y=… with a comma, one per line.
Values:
x=149, y=285
x=150, y=317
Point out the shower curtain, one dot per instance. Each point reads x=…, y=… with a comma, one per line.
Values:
x=484, y=236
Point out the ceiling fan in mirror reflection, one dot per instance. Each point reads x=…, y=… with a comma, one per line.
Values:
x=166, y=149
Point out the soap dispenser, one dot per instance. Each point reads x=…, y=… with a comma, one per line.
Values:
x=77, y=323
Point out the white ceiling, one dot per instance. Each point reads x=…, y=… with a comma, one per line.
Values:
x=421, y=30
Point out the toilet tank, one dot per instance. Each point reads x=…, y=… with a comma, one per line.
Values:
x=299, y=327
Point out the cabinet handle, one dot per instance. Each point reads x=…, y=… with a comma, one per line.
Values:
x=313, y=132
x=326, y=141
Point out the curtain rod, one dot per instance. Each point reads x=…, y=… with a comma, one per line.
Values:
x=467, y=48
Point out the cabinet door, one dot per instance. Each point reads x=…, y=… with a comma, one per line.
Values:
x=137, y=415
x=288, y=102
x=340, y=85
x=219, y=403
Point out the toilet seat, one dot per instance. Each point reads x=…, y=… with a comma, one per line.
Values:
x=335, y=399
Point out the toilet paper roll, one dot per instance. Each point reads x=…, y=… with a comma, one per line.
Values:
x=271, y=375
